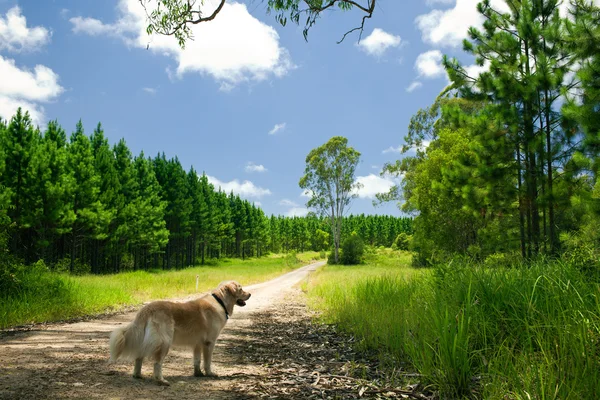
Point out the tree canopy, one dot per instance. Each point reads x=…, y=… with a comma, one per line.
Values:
x=175, y=17
x=329, y=180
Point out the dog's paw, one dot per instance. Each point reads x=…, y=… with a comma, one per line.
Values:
x=163, y=382
x=137, y=376
x=198, y=374
x=212, y=374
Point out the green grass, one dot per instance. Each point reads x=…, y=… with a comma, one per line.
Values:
x=42, y=296
x=522, y=333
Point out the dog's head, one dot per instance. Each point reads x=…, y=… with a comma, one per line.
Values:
x=234, y=289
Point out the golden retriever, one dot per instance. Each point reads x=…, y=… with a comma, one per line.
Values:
x=161, y=324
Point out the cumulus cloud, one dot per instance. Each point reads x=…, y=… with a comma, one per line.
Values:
x=39, y=84
x=245, y=189
x=297, y=212
x=449, y=27
x=413, y=86
x=16, y=36
x=429, y=64
x=21, y=86
x=373, y=184
x=288, y=203
x=277, y=128
x=232, y=49
x=392, y=149
x=434, y=2
x=378, y=42
x=251, y=167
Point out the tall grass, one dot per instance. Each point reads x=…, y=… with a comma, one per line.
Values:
x=521, y=333
x=42, y=296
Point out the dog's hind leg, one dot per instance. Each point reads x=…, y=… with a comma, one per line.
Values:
x=159, y=356
x=137, y=368
x=207, y=350
x=197, y=351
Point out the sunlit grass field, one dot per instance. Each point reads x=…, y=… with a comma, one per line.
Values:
x=50, y=296
x=531, y=332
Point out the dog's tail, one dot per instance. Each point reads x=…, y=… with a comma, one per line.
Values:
x=127, y=342
x=141, y=338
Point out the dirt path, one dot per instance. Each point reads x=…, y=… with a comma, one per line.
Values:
x=269, y=349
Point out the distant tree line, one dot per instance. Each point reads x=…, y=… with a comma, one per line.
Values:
x=82, y=205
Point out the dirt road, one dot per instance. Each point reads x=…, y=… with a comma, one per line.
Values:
x=70, y=360
x=269, y=349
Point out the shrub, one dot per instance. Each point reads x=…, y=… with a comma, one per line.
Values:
x=353, y=250
x=290, y=259
x=402, y=242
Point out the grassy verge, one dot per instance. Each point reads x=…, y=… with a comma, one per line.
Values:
x=518, y=333
x=42, y=296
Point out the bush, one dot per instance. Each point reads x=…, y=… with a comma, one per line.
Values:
x=353, y=250
x=402, y=242
x=291, y=259
x=331, y=257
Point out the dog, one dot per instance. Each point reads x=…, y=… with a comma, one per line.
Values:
x=162, y=324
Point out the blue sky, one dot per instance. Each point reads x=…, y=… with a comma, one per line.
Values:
x=247, y=99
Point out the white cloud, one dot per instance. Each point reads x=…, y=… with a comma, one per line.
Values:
x=93, y=27
x=9, y=106
x=378, y=42
x=372, y=185
x=41, y=84
x=414, y=86
x=429, y=64
x=234, y=48
x=475, y=70
x=258, y=204
x=20, y=87
x=297, y=212
x=251, y=167
x=288, y=203
x=434, y=2
x=392, y=149
x=245, y=189
x=16, y=36
x=449, y=27
x=277, y=128
x=149, y=90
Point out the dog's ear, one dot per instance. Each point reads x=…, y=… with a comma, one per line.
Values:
x=231, y=288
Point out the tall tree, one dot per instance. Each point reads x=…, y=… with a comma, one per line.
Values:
x=19, y=141
x=526, y=59
x=329, y=178
x=51, y=214
x=91, y=219
x=149, y=232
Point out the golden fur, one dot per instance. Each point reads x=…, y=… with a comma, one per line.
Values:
x=161, y=324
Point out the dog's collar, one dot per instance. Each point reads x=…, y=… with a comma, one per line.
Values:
x=222, y=305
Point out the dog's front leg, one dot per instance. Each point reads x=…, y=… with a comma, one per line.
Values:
x=197, y=351
x=207, y=350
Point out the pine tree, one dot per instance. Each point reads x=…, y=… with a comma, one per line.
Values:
x=51, y=215
x=91, y=222
x=517, y=132
x=148, y=227
x=19, y=143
